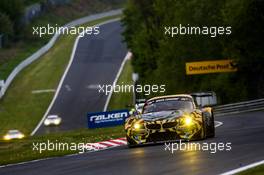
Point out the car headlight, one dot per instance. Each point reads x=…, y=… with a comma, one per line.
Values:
x=7, y=137
x=188, y=121
x=46, y=123
x=138, y=126
x=57, y=122
x=21, y=136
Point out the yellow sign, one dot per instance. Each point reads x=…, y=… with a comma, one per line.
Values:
x=205, y=67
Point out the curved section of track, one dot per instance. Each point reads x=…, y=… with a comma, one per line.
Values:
x=96, y=62
x=244, y=131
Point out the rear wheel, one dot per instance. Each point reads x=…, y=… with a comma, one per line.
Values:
x=204, y=133
x=208, y=125
x=212, y=127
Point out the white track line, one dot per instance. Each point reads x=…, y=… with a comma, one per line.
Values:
x=217, y=124
x=59, y=87
x=42, y=91
x=64, y=75
x=128, y=56
x=22, y=163
x=235, y=171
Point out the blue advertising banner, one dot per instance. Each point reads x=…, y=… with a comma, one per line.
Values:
x=105, y=119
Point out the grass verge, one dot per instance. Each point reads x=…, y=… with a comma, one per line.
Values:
x=19, y=108
x=22, y=150
x=27, y=43
x=259, y=170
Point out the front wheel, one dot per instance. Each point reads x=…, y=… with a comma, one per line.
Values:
x=130, y=143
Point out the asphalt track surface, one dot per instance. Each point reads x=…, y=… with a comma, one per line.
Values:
x=244, y=131
x=96, y=62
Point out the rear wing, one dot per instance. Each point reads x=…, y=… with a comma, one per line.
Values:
x=205, y=99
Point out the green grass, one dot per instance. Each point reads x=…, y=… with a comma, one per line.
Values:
x=28, y=43
x=19, y=108
x=22, y=150
x=37, y=76
x=259, y=170
x=121, y=100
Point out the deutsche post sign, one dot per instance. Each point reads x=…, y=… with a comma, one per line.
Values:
x=205, y=67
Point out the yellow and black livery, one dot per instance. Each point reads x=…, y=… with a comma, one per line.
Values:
x=169, y=118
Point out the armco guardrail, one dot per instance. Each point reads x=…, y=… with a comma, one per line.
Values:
x=247, y=106
x=52, y=41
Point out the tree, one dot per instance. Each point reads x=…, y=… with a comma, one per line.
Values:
x=13, y=10
x=246, y=43
x=161, y=59
x=6, y=28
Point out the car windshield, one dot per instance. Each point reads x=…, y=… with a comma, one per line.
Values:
x=13, y=132
x=168, y=104
x=52, y=117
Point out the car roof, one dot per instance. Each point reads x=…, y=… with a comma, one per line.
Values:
x=140, y=104
x=203, y=94
x=53, y=116
x=170, y=96
x=13, y=130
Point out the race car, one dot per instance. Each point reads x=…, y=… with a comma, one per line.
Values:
x=139, y=107
x=169, y=118
x=13, y=134
x=52, y=120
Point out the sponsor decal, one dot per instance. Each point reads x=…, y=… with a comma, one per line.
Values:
x=205, y=67
x=105, y=119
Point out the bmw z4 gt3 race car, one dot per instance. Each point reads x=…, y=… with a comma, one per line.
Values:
x=169, y=118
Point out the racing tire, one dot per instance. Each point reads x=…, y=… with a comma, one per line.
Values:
x=204, y=135
x=212, y=127
x=130, y=143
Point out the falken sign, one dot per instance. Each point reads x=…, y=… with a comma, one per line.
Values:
x=105, y=119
